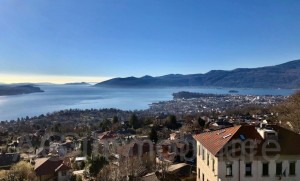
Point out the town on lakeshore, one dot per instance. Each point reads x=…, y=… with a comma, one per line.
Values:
x=195, y=136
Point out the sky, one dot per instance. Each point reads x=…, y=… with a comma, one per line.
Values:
x=73, y=40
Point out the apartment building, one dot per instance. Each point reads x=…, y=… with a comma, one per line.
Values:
x=248, y=153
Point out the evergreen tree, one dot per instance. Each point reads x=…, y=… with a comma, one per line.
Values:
x=97, y=164
x=134, y=122
x=201, y=122
x=115, y=119
x=105, y=125
x=87, y=147
x=172, y=122
x=153, y=135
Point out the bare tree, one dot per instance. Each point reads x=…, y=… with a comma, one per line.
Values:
x=289, y=112
x=104, y=174
x=162, y=167
x=20, y=171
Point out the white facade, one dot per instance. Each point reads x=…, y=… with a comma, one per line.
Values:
x=211, y=168
x=207, y=169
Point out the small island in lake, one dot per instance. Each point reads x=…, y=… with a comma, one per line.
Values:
x=6, y=90
x=233, y=91
x=77, y=83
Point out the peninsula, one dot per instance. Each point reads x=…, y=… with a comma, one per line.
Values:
x=7, y=90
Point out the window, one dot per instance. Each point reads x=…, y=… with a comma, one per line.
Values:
x=229, y=169
x=203, y=178
x=242, y=137
x=199, y=150
x=213, y=165
x=203, y=154
x=199, y=173
x=278, y=168
x=265, y=169
x=207, y=159
x=292, y=168
x=248, y=169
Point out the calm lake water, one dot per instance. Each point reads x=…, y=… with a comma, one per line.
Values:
x=59, y=97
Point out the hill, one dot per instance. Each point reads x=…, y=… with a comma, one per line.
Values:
x=18, y=89
x=286, y=75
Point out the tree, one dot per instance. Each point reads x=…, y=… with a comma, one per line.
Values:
x=78, y=178
x=111, y=172
x=201, y=122
x=105, y=125
x=134, y=122
x=73, y=178
x=47, y=143
x=56, y=128
x=104, y=174
x=86, y=146
x=163, y=166
x=97, y=164
x=153, y=135
x=289, y=112
x=115, y=119
x=23, y=171
x=172, y=122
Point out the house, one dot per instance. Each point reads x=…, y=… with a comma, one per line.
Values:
x=150, y=177
x=180, y=170
x=80, y=160
x=53, y=169
x=178, y=148
x=106, y=137
x=175, y=172
x=8, y=159
x=174, y=150
x=136, y=156
x=249, y=153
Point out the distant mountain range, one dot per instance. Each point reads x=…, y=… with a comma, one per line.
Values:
x=286, y=75
x=18, y=89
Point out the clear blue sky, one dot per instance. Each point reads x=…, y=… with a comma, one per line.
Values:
x=119, y=38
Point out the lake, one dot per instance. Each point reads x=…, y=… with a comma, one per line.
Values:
x=59, y=97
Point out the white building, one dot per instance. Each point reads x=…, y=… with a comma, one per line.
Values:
x=246, y=153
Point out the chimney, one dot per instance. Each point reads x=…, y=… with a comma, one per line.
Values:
x=267, y=133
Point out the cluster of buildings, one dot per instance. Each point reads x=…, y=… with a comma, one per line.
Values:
x=211, y=102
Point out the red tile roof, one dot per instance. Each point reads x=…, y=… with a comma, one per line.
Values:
x=214, y=141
